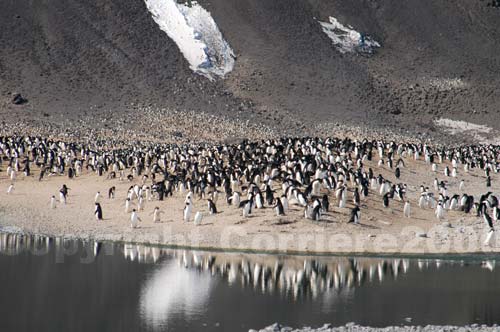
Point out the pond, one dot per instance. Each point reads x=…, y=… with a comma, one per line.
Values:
x=51, y=284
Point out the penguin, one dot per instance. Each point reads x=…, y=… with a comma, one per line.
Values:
x=316, y=213
x=386, y=200
x=247, y=208
x=397, y=173
x=440, y=211
x=187, y=211
x=284, y=202
x=489, y=223
x=111, y=192
x=235, y=198
x=157, y=215
x=407, y=209
x=98, y=211
x=63, y=194
x=127, y=205
x=280, y=211
x=134, y=219
x=140, y=204
x=355, y=215
x=488, y=181
x=198, y=218
x=53, y=202
x=356, y=197
x=97, y=198
x=325, y=204
x=10, y=190
x=453, y=202
x=211, y=207
x=259, y=201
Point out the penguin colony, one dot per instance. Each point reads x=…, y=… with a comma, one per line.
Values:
x=308, y=174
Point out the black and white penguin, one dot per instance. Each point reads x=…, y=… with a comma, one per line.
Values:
x=386, y=200
x=212, y=209
x=489, y=223
x=397, y=173
x=355, y=216
x=280, y=211
x=316, y=213
x=111, y=192
x=325, y=203
x=98, y=211
x=356, y=198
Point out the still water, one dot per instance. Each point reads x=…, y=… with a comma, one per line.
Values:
x=63, y=285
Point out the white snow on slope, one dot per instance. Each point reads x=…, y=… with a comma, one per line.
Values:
x=346, y=39
x=480, y=133
x=196, y=34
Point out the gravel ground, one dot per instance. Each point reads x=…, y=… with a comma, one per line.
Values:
x=351, y=327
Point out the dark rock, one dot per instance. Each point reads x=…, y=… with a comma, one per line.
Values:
x=19, y=100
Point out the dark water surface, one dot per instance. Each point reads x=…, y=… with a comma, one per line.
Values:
x=58, y=285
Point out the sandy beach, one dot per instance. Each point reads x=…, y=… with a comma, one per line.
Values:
x=381, y=231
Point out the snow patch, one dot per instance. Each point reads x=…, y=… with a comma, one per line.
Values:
x=457, y=127
x=346, y=39
x=196, y=34
x=447, y=84
x=480, y=133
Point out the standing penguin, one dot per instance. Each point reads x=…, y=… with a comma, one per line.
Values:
x=111, y=192
x=489, y=223
x=127, y=205
x=198, y=218
x=355, y=216
x=397, y=173
x=63, y=194
x=211, y=207
x=134, y=219
x=461, y=186
x=53, y=202
x=488, y=181
x=407, y=209
x=98, y=211
x=325, y=204
x=187, y=211
x=316, y=213
x=386, y=200
x=10, y=189
x=156, y=215
x=440, y=211
x=280, y=211
x=97, y=198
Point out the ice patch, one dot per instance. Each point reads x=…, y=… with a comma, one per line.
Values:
x=346, y=39
x=196, y=34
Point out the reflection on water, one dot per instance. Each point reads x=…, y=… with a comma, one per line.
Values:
x=173, y=289
x=162, y=288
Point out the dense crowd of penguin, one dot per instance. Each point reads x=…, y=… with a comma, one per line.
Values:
x=310, y=173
